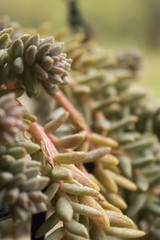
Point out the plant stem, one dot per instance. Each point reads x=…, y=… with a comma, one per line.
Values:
x=76, y=117
x=47, y=146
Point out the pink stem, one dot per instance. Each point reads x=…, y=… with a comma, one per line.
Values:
x=37, y=131
x=76, y=117
x=47, y=146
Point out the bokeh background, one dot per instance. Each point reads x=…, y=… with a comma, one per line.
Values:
x=116, y=24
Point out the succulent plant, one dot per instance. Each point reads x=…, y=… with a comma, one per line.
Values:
x=21, y=183
x=84, y=166
x=29, y=60
x=10, y=119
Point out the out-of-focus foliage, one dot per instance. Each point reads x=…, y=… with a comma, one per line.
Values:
x=132, y=21
x=115, y=24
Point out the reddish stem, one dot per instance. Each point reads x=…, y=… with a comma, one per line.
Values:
x=37, y=131
x=76, y=117
x=47, y=146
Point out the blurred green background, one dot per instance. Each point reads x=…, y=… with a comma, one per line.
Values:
x=116, y=24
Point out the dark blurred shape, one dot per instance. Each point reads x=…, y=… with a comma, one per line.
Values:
x=4, y=213
x=153, y=26
x=77, y=21
x=37, y=221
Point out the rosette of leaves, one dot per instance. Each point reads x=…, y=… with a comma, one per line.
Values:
x=21, y=184
x=11, y=123
x=29, y=60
